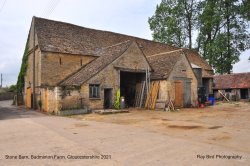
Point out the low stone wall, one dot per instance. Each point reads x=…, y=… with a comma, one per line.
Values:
x=73, y=112
x=7, y=96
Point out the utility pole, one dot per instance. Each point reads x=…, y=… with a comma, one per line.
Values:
x=1, y=80
x=34, y=66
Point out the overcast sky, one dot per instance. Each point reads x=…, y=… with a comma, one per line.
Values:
x=122, y=16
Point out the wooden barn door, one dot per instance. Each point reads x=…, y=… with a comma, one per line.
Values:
x=46, y=100
x=28, y=97
x=178, y=94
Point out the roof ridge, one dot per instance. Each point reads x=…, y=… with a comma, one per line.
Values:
x=231, y=74
x=117, y=44
x=163, y=53
x=80, y=26
x=99, y=51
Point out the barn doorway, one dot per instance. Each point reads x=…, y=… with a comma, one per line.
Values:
x=46, y=100
x=183, y=92
x=128, y=81
x=29, y=97
x=244, y=93
x=178, y=94
x=107, y=98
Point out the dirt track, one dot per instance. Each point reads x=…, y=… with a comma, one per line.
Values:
x=225, y=124
x=212, y=136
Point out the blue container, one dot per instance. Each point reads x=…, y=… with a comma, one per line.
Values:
x=211, y=99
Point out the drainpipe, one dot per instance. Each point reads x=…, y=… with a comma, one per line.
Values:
x=34, y=65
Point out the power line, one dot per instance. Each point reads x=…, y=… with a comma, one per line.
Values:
x=1, y=8
x=50, y=8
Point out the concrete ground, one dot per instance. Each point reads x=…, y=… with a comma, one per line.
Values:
x=188, y=137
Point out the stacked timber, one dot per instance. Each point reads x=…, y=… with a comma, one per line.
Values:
x=152, y=95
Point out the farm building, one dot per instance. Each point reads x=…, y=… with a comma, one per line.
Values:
x=234, y=86
x=77, y=67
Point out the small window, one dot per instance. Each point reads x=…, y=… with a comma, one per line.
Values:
x=81, y=62
x=60, y=61
x=183, y=71
x=94, y=91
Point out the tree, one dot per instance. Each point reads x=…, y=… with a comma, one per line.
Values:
x=22, y=72
x=209, y=22
x=221, y=24
x=245, y=6
x=12, y=88
x=222, y=28
x=174, y=21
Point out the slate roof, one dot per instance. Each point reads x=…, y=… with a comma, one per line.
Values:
x=163, y=63
x=55, y=36
x=232, y=81
x=195, y=58
x=107, y=56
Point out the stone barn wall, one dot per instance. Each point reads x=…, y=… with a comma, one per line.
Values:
x=56, y=66
x=182, y=69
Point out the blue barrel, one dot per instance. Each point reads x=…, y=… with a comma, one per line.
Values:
x=211, y=99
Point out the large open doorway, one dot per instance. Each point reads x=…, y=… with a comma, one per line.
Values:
x=128, y=81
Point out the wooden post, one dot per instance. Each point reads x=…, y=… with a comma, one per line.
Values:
x=223, y=95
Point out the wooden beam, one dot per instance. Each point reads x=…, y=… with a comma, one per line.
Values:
x=223, y=95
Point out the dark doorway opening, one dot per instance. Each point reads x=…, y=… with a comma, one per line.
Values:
x=128, y=81
x=244, y=93
x=205, y=82
x=107, y=98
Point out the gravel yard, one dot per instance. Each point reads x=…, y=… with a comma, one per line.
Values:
x=225, y=124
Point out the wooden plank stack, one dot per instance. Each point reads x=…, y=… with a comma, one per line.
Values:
x=152, y=95
x=139, y=94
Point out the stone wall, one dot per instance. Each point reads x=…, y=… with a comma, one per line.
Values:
x=54, y=99
x=56, y=66
x=28, y=79
x=71, y=99
x=182, y=69
x=48, y=70
x=198, y=74
x=109, y=77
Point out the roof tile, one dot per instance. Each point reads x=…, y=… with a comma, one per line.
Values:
x=232, y=81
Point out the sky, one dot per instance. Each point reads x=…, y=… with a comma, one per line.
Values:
x=123, y=16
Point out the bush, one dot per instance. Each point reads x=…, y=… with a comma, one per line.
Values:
x=12, y=88
x=117, y=100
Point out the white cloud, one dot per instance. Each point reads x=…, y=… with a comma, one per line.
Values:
x=244, y=64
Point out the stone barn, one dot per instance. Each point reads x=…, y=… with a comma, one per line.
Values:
x=75, y=67
x=234, y=86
